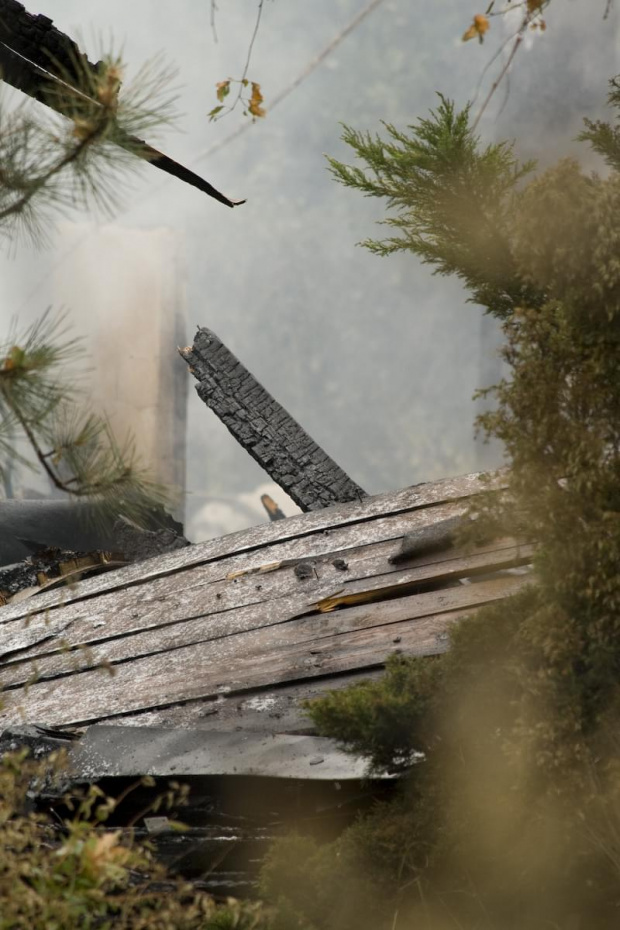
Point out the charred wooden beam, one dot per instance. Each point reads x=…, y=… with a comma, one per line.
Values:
x=265, y=429
x=34, y=40
x=35, y=57
x=28, y=527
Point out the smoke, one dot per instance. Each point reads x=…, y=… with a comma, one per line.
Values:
x=377, y=359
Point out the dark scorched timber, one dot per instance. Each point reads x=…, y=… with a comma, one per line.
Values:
x=265, y=429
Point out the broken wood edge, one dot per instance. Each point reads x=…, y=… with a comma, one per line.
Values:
x=249, y=541
x=346, y=649
x=264, y=428
x=427, y=575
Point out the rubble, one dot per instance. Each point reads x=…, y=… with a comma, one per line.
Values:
x=44, y=543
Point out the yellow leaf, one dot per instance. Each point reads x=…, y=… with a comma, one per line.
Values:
x=478, y=28
x=255, y=101
x=222, y=90
x=533, y=6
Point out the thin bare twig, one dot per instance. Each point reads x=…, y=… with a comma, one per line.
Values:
x=74, y=485
x=312, y=65
x=490, y=64
x=530, y=16
x=498, y=79
x=41, y=456
x=246, y=68
x=506, y=96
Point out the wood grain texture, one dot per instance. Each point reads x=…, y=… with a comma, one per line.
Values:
x=280, y=603
x=248, y=543
x=321, y=644
x=205, y=588
x=236, y=629
x=274, y=709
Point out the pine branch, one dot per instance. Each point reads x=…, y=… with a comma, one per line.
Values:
x=452, y=198
x=77, y=451
x=37, y=184
x=41, y=61
x=604, y=138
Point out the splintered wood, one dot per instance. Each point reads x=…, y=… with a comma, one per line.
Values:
x=237, y=631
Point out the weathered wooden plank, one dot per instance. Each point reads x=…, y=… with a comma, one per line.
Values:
x=264, y=428
x=247, y=541
x=90, y=696
x=268, y=710
x=207, y=590
x=279, y=607
x=284, y=653
x=177, y=595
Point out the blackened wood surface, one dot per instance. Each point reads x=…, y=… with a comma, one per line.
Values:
x=264, y=428
x=37, y=40
x=234, y=631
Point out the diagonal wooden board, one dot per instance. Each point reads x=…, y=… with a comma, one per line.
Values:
x=235, y=616
x=206, y=589
x=250, y=543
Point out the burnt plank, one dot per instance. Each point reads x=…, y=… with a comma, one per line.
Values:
x=283, y=653
x=264, y=428
x=36, y=39
x=248, y=542
x=278, y=606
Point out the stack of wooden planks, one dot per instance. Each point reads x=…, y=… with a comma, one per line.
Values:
x=235, y=632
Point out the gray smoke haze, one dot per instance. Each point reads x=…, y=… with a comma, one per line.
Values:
x=375, y=357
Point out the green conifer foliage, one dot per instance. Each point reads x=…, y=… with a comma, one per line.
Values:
x=511, y=816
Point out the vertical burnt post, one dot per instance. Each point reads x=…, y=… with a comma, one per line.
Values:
x=265, y=429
